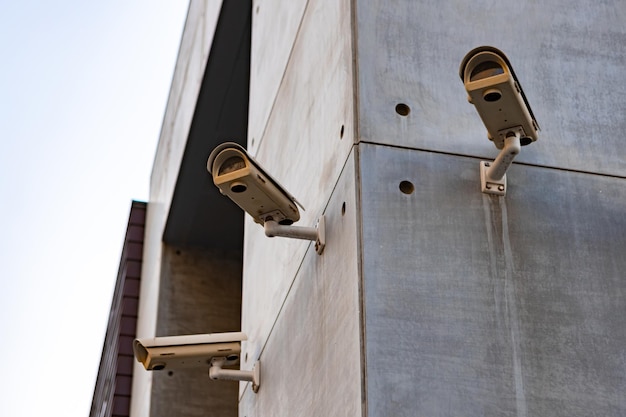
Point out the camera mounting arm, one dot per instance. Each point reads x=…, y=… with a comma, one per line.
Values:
x=316, y=234
x=216, y=371
x=493, y=174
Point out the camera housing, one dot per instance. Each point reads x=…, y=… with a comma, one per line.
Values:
x=214, y=351
x=244, y=181
x=495, y=91
x=175, y=352
x=493, y=88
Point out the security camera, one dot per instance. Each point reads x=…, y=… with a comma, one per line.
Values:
x=213, y=351
x=173, y=352
x=495, y=91
x=493, y=88
x=242, y=179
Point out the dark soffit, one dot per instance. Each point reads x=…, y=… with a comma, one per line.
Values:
x=199, y=215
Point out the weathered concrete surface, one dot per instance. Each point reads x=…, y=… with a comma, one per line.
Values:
x=276, y=25
x=311, y=362
x=478, y=305
x=308, y=138
x=200, y=293
x=443, y=301
x=473, y=305
x=569, y=57
x=197, y=37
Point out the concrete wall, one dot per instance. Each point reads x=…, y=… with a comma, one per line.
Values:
x=194, y=50
x=311, y=356
x=432, y=300
x=317, y=139
x=301, y=310
x=461, y=303
x=480, y=305
x=569, y=57
x=493, y=306
x=200, y=292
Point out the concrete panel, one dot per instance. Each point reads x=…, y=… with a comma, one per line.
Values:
x=307, y=141
x=190, y=67
x=200, y=293
x=275, y=25
x=479, y=305
x=197, y=37
x=311, y=364
x=569, y=56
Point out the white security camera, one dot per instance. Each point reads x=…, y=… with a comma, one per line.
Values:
x=243, y=180
x=174, y=352
x=213, y=351
x=495, y=91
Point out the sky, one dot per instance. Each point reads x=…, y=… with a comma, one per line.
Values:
x=83, y=90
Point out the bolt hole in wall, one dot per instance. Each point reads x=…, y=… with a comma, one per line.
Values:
x=407, y=187
x=341, y=133
x=343, y=208
x=402, y=109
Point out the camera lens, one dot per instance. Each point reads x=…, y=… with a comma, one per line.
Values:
x=492, y=95
x=238, y=187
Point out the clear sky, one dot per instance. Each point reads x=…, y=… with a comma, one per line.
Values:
x=83, y=88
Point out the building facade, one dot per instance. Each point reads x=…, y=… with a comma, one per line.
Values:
x=431, y=297
x=114, y=382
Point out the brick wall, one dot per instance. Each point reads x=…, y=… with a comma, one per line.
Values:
x=113, y=385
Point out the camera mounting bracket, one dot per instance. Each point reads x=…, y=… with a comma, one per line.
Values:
x=216, y=371
x=316, y=234
x=493, y=174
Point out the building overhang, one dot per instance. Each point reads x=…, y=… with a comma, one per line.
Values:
x=198, y=215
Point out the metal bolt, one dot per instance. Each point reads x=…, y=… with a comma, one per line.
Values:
x=488, y=186
x=501, y=187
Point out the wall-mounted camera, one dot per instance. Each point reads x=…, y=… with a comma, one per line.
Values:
x=244, y=181
x=214, y=351
x=495, y=91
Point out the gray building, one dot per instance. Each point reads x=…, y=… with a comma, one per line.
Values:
x=430, y=298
